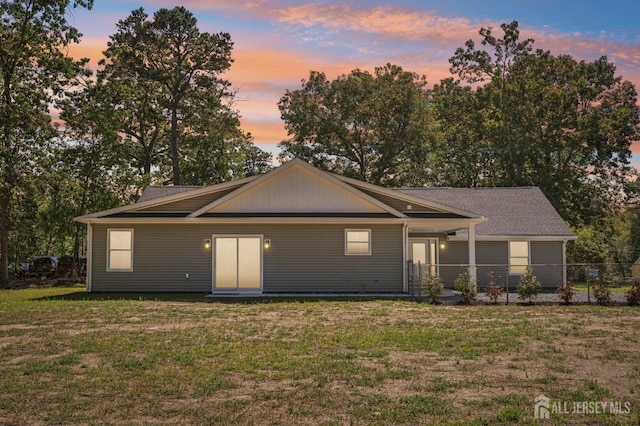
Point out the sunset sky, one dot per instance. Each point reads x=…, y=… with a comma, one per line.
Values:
x=277, y=42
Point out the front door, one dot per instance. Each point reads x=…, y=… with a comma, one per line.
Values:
x=237, y=263
x=424, y=251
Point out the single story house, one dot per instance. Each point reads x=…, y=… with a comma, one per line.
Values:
x=297, y=229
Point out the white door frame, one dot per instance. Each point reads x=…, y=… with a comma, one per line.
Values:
x=432, y=243
x=213, y=264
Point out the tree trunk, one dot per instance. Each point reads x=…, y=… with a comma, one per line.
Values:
x=174, y=146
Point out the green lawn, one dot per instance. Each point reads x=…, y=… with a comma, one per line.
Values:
x=71, y=358
x=613, y=288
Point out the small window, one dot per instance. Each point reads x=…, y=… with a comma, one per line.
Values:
x=120, y=250
x=358, y=241
x=518, y=257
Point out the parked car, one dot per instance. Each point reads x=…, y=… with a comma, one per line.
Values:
x=18, y=269
x=66, y=264
x=44, y=266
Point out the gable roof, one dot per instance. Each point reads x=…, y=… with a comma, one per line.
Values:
x=306, y=189
x=298, y=190
x=294, y=189
x=519, y=211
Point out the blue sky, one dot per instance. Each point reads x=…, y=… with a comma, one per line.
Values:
x=277, y=42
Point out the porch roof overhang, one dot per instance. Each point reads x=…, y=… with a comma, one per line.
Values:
x=443, y=225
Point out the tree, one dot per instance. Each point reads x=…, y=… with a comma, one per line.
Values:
x=33, y=70
x=366, y=126
x=543, y=120
x=182, y=63
x=464, y=156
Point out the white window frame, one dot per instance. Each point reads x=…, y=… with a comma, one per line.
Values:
x=346, y=242
x=511, y=266
x=109, y=250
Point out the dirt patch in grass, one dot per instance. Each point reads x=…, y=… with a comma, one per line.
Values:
x=379, y=362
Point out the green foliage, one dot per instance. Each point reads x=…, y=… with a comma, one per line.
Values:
x=509, y=414
x=529, y=286
x=162, y=83
x=589, y=118
x=465, y=286
x=634, y=233
x=633, y=294
x=432, y=287
x=34, y=70
x=372, y=127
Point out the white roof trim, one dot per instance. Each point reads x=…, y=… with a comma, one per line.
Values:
x=406, y=197
x=480, y=237
x=170, y=198
x=244, y=220
x=281, y=169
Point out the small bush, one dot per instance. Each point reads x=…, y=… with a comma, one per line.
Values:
x=566, y=292
x=466, y=286
x=529, y=286
x=602, y=293
x=494, y=290
x=432, y=287
x=633, y=295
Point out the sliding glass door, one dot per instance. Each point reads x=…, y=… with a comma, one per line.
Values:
x=237, y=263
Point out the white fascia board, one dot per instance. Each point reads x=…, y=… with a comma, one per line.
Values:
x=212, y=189
x=242, y=220
x=514, y=237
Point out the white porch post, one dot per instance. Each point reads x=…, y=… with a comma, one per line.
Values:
x=564, y=263
x=405, y=257
x=472, y=254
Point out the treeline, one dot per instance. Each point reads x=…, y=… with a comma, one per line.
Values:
x=159, y=111
x=509, y=116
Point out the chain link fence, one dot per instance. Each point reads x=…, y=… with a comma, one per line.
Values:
x=615, y=276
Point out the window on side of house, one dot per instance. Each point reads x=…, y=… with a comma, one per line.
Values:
x=120, y=250
x=518, y=257
x=357, y=241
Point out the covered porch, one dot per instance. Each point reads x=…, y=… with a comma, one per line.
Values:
x=427, y=239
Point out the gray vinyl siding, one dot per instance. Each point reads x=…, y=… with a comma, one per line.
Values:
x=493, y=256
x=188, y=205
x=546, y=256
x=302, y=258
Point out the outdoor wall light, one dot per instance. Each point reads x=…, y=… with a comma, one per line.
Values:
x=267, y=244
x=442, y=245
x=207, y=243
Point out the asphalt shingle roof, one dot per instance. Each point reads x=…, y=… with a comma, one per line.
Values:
x=151, y=191
x=523, y=211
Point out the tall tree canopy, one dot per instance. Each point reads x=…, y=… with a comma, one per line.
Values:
x=544, y=120
x=33, y=71
x=363, y=125
x=162, y=80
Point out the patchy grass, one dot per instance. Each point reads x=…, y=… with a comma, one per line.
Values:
x=67, y=357
x=614, y=288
